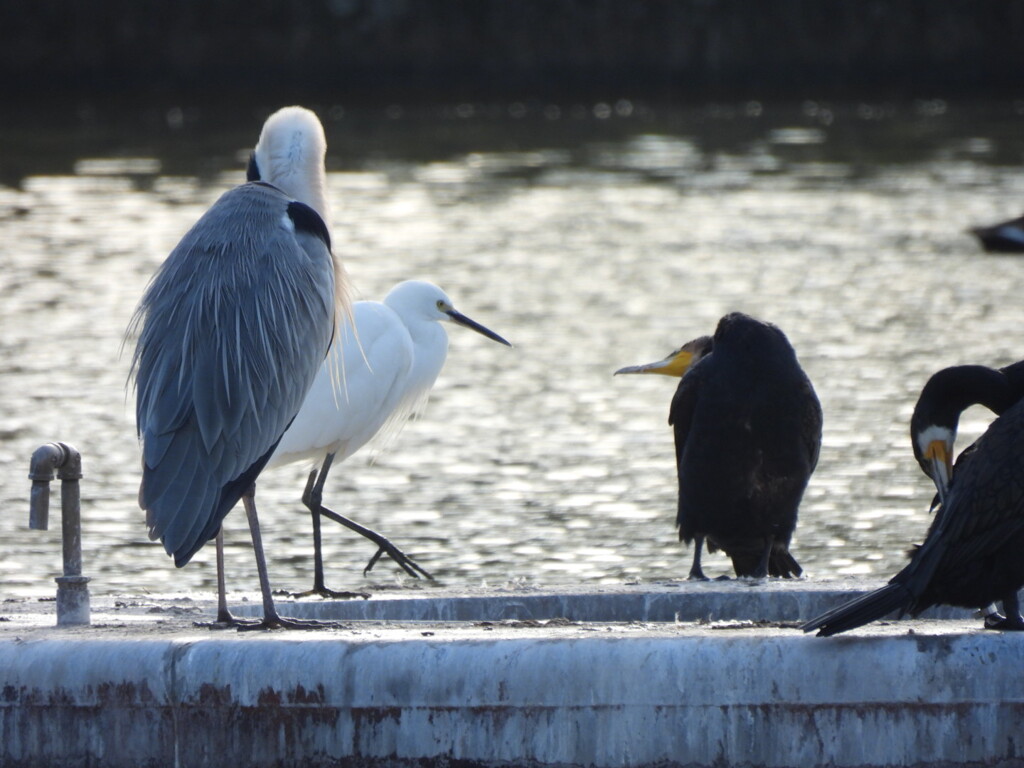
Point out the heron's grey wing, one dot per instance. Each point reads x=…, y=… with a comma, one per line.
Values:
x=234, y=328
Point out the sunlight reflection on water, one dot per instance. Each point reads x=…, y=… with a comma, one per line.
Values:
x=533, y=464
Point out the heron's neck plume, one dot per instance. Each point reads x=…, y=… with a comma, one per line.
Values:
x=290, y=155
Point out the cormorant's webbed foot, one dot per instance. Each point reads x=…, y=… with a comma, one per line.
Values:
x=1012, y=621
x=1004, y=623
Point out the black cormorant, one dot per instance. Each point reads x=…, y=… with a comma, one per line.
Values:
x=972, y=554
x=747, y=429
x=1004, y=237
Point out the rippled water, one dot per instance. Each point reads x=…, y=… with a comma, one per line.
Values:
x=592, y=238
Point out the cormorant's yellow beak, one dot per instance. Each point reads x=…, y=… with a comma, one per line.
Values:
x=940, y=460
x=676, y=364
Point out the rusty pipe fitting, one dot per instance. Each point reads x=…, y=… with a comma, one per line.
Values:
x=72, y=589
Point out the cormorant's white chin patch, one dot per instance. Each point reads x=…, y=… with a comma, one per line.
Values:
x=943, y=434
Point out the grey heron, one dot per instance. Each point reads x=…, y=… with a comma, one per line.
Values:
x=231, y=333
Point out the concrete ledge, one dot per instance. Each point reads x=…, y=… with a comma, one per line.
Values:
x=774, y=600
x=144, y=688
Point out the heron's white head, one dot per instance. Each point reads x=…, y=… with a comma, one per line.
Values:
x=290, y=155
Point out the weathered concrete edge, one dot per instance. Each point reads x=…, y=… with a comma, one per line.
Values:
x=702, y=601
x=781, y=699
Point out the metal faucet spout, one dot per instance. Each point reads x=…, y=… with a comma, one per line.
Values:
x=72, y=589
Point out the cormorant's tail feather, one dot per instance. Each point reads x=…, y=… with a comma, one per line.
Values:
x=861, y=610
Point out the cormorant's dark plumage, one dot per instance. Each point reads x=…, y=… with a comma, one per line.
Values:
x=973, y=553
x=747, y=428
x=1004, y=237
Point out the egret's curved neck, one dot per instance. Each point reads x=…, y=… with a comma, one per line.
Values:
x=430, y=349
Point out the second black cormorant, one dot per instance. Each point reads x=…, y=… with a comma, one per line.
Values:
x=1004, y=237
x=973, y=554
x=747, y=426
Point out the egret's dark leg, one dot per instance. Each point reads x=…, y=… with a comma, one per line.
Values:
x=312, y=497
x=1013, y=621
x=696, y=572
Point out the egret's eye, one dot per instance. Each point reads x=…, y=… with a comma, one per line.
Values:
x=440, y=305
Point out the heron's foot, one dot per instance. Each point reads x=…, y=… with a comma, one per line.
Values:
x=226, y=622
x=281, y=622
x=1002, y=623
x=407, y=564
x=331, y=594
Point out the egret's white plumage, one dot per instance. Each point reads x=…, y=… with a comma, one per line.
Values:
x=233, y=329
x=389, y=372
x=390, y=364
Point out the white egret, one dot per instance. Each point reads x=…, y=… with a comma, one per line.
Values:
x=234, y=327
x=387, y=370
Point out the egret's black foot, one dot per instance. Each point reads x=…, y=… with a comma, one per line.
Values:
x=1002, y=623
x=331, y=594
x=406, y=563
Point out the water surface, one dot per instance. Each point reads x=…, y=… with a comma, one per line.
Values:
x=592, y=236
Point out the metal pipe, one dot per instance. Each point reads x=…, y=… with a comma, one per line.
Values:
x=72, y=586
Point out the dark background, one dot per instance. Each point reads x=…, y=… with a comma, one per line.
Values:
x=369, y=50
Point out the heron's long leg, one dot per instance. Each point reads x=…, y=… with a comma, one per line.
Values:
x=224, y=617
x=271, y=619
x=223, y=614
x=313, y=499
x=696, y=572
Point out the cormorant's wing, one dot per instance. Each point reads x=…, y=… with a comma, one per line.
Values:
x=680, y=416
x=985, y=504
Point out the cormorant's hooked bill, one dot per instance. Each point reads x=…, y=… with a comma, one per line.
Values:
x=678, y=361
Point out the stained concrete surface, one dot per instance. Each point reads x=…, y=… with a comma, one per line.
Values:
x=144, y=685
